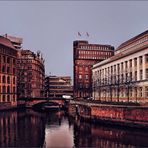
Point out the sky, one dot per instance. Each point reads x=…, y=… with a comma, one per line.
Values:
x=52, y=26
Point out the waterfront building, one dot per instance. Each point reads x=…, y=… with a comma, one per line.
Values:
x=57, y=86
x=84, y=56
x=31, y=74
x=8, y=55
x=124, y=77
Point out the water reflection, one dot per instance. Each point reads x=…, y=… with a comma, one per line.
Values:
x=91, y=135
x=21, y=129
x=58, y=131
x=55, y=129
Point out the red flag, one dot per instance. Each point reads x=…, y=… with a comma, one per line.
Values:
x=79, y=34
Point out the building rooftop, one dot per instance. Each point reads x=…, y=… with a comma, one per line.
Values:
x=125, y=52
x=130, y=41
x=6, y=42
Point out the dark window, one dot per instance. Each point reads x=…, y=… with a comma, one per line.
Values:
x=8, y=98
x=140, y=58
x=13, y=80
x=8, y=80
x=3, y=79
x=3, y=68
x=8, y=89
x=4, y=89
x=4, y=59
x=8, y=69
x=8, y=60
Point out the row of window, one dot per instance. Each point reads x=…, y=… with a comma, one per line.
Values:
x=134, y=92
x=6, y=79
x=8, y=60
x=127, y=77
x=7, y=98
x=6, y=89
x=93, y=57
x=98, y=53
x=95, y=47
x=86, y=76
x=8, y=51
x=85, y=68
x=8, y=69
x=122, y=67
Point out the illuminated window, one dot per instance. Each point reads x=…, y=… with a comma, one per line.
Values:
x=86, y=77
x=80, y=76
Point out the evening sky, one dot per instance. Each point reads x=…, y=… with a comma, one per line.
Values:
x=51, y=27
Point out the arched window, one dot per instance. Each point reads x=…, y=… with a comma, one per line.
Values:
x=13, y=89
x=3, y=79
x=3, y=69
x=8, y=89
x=13, y=80
x=4, y=89
x=8, y=98
x=14, y=98
x=8, y=80
x=3, y=98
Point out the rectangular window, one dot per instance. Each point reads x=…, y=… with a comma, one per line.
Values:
x=131, y=76
x=130, y=63
x=135, y=62
x=146, y=58
x=126, y=66
x=135, y=75
x=86, y=77
x=140, y=91
x=146, y=89
x=146, y=73
x=140, y=60
x=141, y=75
x=135, y=92
x=80, y=76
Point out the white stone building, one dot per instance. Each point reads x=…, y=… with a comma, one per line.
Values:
x=124, y=76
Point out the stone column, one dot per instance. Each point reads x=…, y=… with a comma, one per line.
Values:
x=143, y=66
x=138, y=68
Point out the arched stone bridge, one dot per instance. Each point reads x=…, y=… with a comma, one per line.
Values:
x=31, y=102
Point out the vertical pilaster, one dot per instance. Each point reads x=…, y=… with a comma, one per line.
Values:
x=138, y=68
x=143, y=66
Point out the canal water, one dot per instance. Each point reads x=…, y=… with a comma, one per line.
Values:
x=27, y=128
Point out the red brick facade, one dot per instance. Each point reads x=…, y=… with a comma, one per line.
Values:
x=31, y=74
x=84, y=56
x=8, y=55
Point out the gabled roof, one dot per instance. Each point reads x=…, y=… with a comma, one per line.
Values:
x=6, y=42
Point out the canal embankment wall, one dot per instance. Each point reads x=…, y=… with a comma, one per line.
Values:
x=133, y=116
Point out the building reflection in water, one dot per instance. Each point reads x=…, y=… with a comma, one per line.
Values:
x=58, y=133
x=21, y=129
x=91, y=135
x=55, y=129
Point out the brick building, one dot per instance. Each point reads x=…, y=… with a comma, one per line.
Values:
x=84, y=56
x=31, y=74
x=8, y=55
x=16, y=41
x=57, y=86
